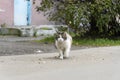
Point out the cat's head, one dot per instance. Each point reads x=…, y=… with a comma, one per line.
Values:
x=60, y=36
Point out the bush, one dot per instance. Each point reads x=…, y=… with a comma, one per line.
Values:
x=93, y=17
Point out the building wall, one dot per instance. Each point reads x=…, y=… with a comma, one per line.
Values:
x=38, y=18
x=7, y=16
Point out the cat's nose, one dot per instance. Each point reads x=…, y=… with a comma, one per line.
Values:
x=60, y=39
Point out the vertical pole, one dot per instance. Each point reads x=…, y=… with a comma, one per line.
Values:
x=28, y=12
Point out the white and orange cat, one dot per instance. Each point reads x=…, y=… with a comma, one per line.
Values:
x=63, y=42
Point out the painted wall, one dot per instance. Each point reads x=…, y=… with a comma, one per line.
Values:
x=38, y=18
x=7, y=16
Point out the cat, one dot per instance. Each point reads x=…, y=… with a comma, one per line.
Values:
x=63, y=42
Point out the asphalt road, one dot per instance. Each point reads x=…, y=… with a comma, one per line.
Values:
x=101, y=63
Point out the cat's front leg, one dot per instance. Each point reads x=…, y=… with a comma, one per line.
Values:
x=66, y=53
x=60, y=54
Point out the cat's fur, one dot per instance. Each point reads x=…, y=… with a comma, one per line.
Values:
x=63, y=42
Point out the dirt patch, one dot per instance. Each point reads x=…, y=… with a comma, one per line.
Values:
x=20, y=48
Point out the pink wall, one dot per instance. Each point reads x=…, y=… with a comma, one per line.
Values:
x=8, y=15
x=38, y=18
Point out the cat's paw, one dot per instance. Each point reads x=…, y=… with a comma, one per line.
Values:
x=66, y=57
x=61, y=57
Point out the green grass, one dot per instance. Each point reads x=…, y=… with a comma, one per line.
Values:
x=88, y=42
x=47, y=39
x=45, y=28
x=96, y=42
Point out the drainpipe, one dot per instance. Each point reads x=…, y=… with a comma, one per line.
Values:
x=28, y=12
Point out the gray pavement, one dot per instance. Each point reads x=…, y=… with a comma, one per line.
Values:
x=13, y=45
x=101, y=63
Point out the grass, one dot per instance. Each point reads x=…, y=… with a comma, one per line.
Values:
x=46, y=40
x=45, y=28
x=87, y=41
x=96, y=42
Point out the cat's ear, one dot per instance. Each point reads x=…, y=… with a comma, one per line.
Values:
x=65, y=33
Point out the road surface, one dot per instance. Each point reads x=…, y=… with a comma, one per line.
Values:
x=101, y=63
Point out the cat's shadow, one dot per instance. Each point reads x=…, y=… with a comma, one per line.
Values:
x=56, y=58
